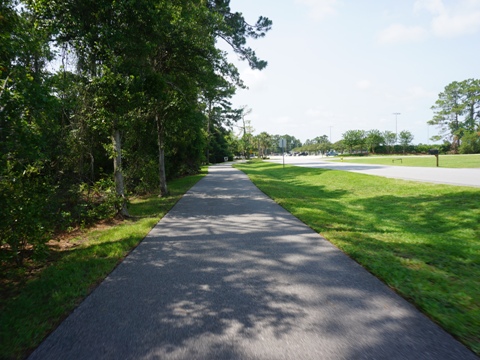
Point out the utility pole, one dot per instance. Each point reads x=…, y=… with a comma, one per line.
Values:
x=245, y=111
x=396, y=131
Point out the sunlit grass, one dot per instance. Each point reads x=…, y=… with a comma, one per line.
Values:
x=423, y=240
x=35, y=307
x=445, y=161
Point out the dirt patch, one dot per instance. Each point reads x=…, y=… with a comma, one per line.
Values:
x=66, y=241
x=12, y=276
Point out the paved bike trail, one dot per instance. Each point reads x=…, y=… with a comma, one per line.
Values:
x=229, y=274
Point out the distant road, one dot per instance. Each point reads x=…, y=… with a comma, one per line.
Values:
x=460, y=177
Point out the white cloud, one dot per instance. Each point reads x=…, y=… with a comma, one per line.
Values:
x=435, y=7
x=253, y=78
x=400, y=33
x=319, y=9
x=447, y=20
x=363, y=84
x=447, y=25
x=282, y=120
x=319, y=114
x=313, y=113
x=418, y=92
x=461, y=17
x=408, y=96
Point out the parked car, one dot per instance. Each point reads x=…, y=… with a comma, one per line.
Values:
x=332, y=153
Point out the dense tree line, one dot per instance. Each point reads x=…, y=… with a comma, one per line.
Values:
x=101, y=99
x=372, y=141
x=361, y=141
x=265, y=144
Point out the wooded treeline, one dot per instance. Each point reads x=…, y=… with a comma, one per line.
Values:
x=100, y=99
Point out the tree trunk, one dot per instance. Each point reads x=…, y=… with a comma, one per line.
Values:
x=161, y=157
x=207, y=153
x=118, y=172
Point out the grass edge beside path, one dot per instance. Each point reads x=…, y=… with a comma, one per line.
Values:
x=422, y=240
x=38, y=305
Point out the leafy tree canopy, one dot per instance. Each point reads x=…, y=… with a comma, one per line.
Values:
x=457, y=110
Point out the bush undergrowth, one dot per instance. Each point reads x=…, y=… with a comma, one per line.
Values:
x=38, y=295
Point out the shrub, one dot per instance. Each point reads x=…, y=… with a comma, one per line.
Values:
x=470, y=143
x=24, y=215
x=34, y=208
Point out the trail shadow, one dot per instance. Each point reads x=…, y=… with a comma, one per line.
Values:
x=228, y=274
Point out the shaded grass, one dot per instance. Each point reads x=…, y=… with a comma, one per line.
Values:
x=445, y=161
x=38, y=304
x=423, y=240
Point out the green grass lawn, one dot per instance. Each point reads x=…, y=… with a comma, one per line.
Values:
x=423, y=240
x=446, y=161
x=36, y=298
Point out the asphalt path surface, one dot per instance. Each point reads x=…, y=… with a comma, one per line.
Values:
x=229, y=274
x=461, y=177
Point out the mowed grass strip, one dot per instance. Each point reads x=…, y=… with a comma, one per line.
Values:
x=423, y=240
x=37, y=306
x=444, y=161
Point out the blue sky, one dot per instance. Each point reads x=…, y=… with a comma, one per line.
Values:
x=338, y=65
